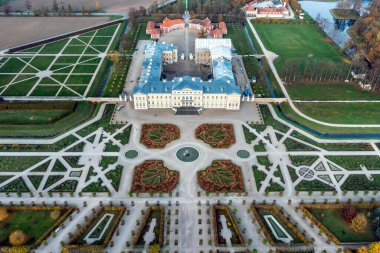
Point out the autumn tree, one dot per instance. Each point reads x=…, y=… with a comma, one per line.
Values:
x=55, y=214
x=97, y=6
x=18, y=238
x=359, y=223
x=362, y=250
x=374, y=247
x=348, y=213
x=4, y=215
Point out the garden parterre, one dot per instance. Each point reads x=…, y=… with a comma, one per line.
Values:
x=66, y=67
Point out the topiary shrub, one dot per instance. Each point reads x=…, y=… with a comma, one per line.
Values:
x=359, y=223
x=55, y=214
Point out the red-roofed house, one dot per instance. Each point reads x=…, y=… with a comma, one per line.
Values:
x=169, y=25
x=152, y=30
x=266, y=9
x=199, y=24
x=220, y=31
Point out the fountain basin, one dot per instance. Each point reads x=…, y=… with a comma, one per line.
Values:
x=187, y=154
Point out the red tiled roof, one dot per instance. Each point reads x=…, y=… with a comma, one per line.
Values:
x=217, y=32
x=249, y=8
x=205, y=22
x=150, y=25
x=169, y=22
x=223, y=27
x=156, y=31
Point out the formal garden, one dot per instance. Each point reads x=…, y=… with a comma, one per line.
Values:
x=26, y=227
x=222, y=219
x=153, y=222
x=98, y=230
x=221, y=176
x=67, y=67
x=277, y=228
x=153, y=177
x=158, y=135
x=216, y=135
x=346, y=223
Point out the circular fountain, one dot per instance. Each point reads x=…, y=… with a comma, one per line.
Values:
x=187, y=154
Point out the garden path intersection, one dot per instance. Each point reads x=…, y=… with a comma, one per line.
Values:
x=101, y=166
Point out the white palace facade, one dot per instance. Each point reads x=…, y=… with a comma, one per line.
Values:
x=187, y=92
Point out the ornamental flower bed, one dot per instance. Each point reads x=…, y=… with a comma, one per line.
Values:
x=23, y=228
x=221, y=176
x=78, y=244
x=153, y=176
x=158, y=135
x=154, y=212
x=332, y=220
x=260, y=210
x=216, y=135
x=236, y=238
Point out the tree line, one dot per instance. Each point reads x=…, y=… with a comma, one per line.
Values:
x=56, y=8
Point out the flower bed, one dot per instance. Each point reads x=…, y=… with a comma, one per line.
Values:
x=221, y=176
x=79, y=244
x=154, y=212
x=35, y=223
x=153, y=176
x=328, y=218
x=236, y=238
x=260, y=210
x=158, y=135
x=216, y=135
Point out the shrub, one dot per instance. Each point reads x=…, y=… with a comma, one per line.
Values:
x=362, y=250
x=359, y=223
x=374, y=247
x=348, y=213
x=4, y=215
x=18, y=238
x=55, y=214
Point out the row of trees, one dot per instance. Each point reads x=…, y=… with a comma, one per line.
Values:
x=56, y=8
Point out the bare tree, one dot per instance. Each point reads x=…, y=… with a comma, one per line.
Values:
x=6, y=8
x=55, y=6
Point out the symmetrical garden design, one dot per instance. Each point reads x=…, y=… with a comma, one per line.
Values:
x=221, y=176
x=25, y=227
x=67, y=67
x=216, y=135
x=281, y=226
x=158, y=135
x=152, y=176
x=96, y=234
x=223, y=219
x=153, y=221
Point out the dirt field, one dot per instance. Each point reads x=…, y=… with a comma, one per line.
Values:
x=115, y=6
x=20, y=30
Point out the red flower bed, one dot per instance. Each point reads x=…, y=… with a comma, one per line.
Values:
x=158, y=135
x=221, y=176
x=152, y=176
x=216, y=135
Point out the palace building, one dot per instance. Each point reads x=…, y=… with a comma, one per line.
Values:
x=187, y=92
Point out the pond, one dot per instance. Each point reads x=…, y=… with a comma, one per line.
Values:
x=337, y=30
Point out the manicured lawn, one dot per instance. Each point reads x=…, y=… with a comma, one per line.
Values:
x=333, y=221
x=32, y=116
x=338, y=110
x=342, y=113
x=298, y=43
x=18, y=163
x=239, y=39
x=33, y=223
x=330, y=92
x=82, y=112
x=354, y=162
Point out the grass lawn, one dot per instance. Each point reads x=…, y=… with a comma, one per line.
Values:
x=330, y=92
x=239, y=39
x=82, y=112
x=298, y=42
x=18, y=163
x=323, y=111
x=33, y=223
x=333, y=221
x=342, y=113
x=32, y=116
